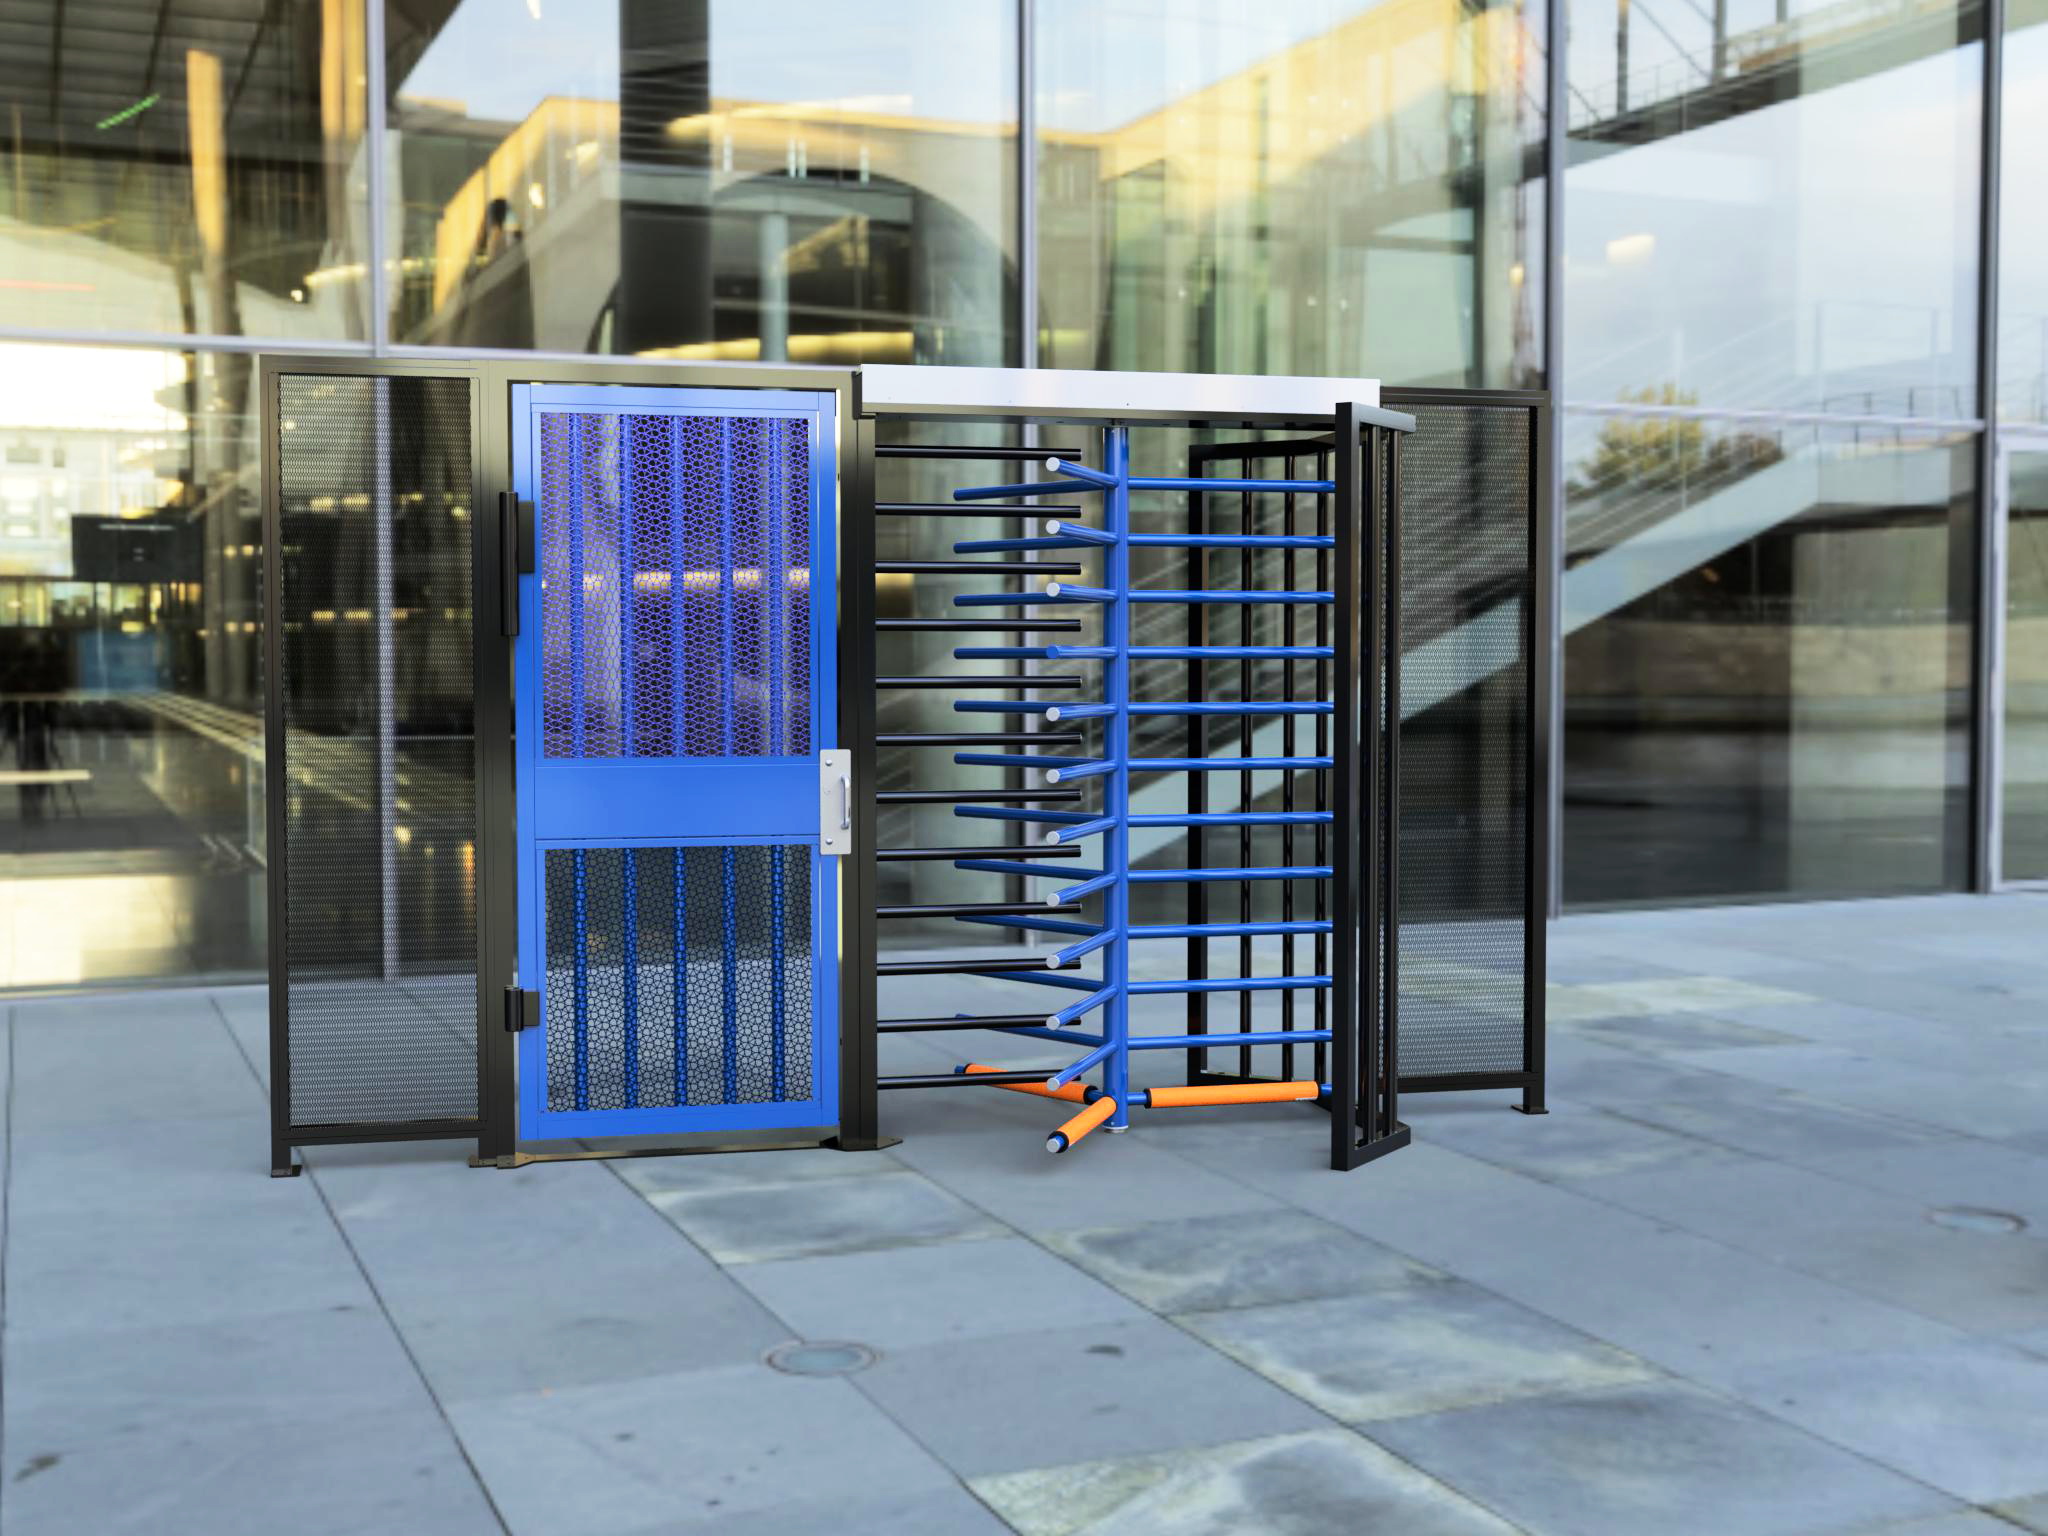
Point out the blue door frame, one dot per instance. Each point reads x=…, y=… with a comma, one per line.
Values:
x=675, y=680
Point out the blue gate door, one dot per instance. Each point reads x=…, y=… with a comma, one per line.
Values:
x=675, y=692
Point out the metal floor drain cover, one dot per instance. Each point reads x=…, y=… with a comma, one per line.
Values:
x=805, y=1358
x=1972, y=1218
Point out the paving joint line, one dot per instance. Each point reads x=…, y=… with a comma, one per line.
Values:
x=611, y=1166
x=1234, y=1364
x=312, y=1178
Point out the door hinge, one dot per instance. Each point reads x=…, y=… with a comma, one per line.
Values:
x=835, y=802
x=514, y=517
x=522, y=1010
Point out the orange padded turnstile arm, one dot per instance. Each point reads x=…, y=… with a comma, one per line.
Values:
x=1232, y=1093
x=1081, y=1124
x=1073, y=1093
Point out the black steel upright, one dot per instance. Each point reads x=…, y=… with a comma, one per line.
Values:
x=859, y=1128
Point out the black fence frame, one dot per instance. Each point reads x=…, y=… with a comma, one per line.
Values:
x=1366, y=1061
x=496, y=555
x=285, y=1134
x=1539, y=630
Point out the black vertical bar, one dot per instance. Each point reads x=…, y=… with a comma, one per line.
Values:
x=1373, y=930
x=1390, y=819
x=277, y=848
x=1540, y=805
x=859, y=1125
x=1197, y=783
x=1984, y=787
x=497, y=885
x=1550, y=553
x=1346, y=898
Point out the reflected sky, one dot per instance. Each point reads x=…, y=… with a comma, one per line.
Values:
x=1819, y=253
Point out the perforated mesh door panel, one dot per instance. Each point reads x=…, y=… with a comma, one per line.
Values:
x=675, y=585
x=677, y=976
x=379, y=814
x=1466, y=510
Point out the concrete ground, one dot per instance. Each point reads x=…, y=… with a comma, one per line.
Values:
x=1777, y=1263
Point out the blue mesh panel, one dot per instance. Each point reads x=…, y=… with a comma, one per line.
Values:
x=675, y=602
x=630, y=991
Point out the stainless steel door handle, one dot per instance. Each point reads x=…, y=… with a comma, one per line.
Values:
x=835, y=772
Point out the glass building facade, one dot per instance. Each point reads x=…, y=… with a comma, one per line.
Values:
x=1775, y=259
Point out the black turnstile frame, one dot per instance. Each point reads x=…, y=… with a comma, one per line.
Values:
x=1372, y=1101
x=1364, y=895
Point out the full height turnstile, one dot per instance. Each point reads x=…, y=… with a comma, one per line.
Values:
x=1117, y=682
x=588, y=811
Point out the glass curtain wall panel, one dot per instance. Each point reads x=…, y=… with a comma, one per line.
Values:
x=131, y=714
x=2025, y=820
x=1767, y=660
x=185, y=169
x=1297, y=186
x=2023, y=218
x=1773, y=209
x=708, y=179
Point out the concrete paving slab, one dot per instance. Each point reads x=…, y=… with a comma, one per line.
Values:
x=1666, y=1034
x=701, y=1446
x=1954, y=1270
x=1283, y=1485
x=1103, y=1181
x=1969, y=1418
x=1573, y=1142
x=1244, y=1259
x=784, y=1221
x=1714, y=994
x=74, y=1270
x=749, y=1170
x=1965, y=1172
x=382, y=1471
x=1714, y=1102
x=1575, y=965
x=419, y=1216
x=1116, y=1389
x=1683, y=1302
x=1422, y=1347
x=1863, y=971
x=116, y=1063
x=897, y=1298
x=1659, y=1456
x=212, y=1166
x=1966, y=1103
x=143, y=1394
x=611, y=1324
x=2028, y=1514
x=251, y=1034
x=1710, y=1196
x=949, y=1511
x=1963, y=1522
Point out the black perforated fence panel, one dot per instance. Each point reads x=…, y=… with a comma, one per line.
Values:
x=379, y=821
x=677, y=976
x=1465, y=738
